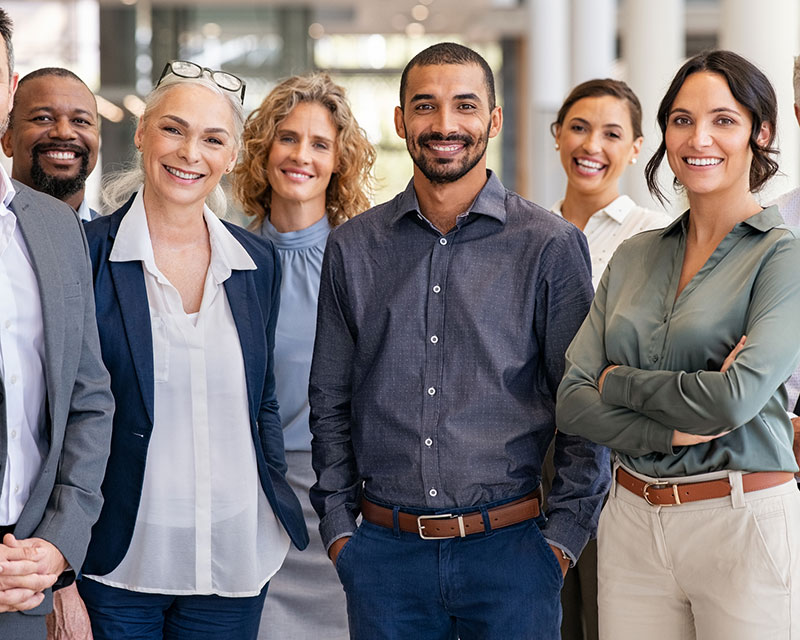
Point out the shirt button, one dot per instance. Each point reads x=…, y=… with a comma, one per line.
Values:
x=436, y=288
x=428, y=442
x=432, y=493
x=442, y=241
x=434, y=339
x=16, y=489
x=14, y=434
x=8, y=324
x=13, y=379
x=431, y=391
x=653, y=358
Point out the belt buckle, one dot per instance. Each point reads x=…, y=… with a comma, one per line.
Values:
x=439, y=516
x=660, y=485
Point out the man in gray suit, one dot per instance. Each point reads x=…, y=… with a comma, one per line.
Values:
x=55, y=402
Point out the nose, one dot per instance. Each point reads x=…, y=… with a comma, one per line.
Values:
x=188, y=150
x=444, y=122
x=62, y=129
x=301, y=152
x=592, y=143
x=701, y=136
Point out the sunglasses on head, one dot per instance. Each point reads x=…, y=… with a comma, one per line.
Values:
x=223, y=79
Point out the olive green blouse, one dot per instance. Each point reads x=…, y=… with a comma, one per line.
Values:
x=670, y=351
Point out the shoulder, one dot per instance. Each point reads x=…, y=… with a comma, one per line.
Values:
x=59, y=214
x=374, y=221
x=789, y=206
x=646, y=219
x=259, y=248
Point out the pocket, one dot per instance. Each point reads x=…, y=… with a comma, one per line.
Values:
x=547, y=555
x=771, y=537
x=160, y=349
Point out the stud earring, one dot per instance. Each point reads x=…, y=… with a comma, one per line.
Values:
x=634, y=160
x=556, y=146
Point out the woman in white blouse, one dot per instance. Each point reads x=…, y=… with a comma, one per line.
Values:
x=198, y=515
x=598, y=134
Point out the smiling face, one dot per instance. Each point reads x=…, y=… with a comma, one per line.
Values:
x=54, y=137
x=596, y=144
x=708, y=137
x=302, y=157
x=187, y=142
x=446, y=121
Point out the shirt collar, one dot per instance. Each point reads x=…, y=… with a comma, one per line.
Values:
x=7, y=191
x=133, y=243
x=617, y=210
x=491, y=200
x=762, y=221
x=84, y=212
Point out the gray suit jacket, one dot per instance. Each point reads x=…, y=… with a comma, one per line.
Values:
x=65, y=501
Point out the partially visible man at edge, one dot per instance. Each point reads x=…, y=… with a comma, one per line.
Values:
x=53, y=136
x=55, y=402
x=442, y=323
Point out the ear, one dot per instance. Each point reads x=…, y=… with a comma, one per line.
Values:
x=399, y=125
x=137, y=137
x=797, y=113
x=637, y=147
x=8, y=149
x=12, y=89
x=764, y=135
x=496, y=121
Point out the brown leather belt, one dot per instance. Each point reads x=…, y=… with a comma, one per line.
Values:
x=664, y=494
x=445, y=525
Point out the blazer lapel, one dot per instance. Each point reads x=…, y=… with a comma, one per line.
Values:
x=33, y=225
x=241, y=293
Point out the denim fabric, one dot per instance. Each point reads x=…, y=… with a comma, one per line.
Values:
x=437, y=359
x=503, y=585
x=120, y=613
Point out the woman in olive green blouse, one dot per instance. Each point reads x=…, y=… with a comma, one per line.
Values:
x=679, y=367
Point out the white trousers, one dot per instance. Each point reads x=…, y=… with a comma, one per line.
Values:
x=719, y=569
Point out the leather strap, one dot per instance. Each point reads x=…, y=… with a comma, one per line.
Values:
x=453, y=526
x=665, y=494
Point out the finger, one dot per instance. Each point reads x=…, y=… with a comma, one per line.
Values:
x=33, y=581
x=20, y=599
x=11, y=567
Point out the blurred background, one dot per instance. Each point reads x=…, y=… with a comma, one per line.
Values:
x=538, y=49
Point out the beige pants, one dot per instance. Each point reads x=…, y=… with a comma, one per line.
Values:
x=720, y=569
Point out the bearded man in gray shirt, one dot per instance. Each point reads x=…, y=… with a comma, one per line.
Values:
x=442, y=323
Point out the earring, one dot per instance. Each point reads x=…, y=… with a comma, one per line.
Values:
x=634, y=160
x=556, y=146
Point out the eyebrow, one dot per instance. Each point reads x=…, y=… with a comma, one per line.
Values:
x=715, y=110
x=605, y=125
x=75, y=110
x=284, y=130
x=460, y=96
x=184, y=123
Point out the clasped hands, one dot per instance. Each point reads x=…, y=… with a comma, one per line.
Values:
x=681, y=439
x=27, y=568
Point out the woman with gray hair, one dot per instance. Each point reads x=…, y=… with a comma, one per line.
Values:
x=198, y=515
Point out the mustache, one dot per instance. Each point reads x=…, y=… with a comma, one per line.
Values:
x=425, y=138
x=44, y=147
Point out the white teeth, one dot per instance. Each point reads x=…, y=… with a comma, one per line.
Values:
x=703, y=162
x=445, y=148
x=297, y=176
x=185, y=175
x=61, y=155
x=590, y=164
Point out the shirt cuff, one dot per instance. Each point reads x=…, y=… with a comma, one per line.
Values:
x=616, y=387
x=564, y=532
x=564, y=550
x=336, y=524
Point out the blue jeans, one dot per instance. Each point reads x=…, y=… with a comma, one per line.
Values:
x=500, y=585
x=120, y=614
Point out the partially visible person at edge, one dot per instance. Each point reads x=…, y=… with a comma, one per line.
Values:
x=789, y=206
x=442, y=323
x=679, y=367
x=598, y=134
x=53, y=136
x=198, y=514
x=55, y=402
x=305, y=170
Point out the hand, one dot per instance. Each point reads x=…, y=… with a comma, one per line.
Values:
x=681, y=439
x=732, y=355
x=27, y=568
x=336, y=547
x=796, y=443
x=562, y=561
x=603, y=375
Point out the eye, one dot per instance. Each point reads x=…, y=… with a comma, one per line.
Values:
x=423, y=107
x=42, y=119
x=321, y=145
x=82, y=122
x=577, y=128
x=681, y=121
x=614, y=135
x=467, y=107
x=215, y=141
x=170, y=129
x=286, y=139
x=725, y=121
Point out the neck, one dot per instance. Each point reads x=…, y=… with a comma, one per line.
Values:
x=578, y=208
x=75, y=199
x=174, y=224
x=443, y=203
x=291, y=215
x=712, y=216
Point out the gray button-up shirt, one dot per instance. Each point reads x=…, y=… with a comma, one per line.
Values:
x=437, y=359
x=672, y=349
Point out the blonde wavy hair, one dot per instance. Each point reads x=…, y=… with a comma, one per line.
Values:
x=350, y=186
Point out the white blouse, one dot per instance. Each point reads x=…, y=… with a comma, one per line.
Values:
x=204, y=525
x=613, y=224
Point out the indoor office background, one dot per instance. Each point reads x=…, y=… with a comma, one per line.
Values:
x=538, y=48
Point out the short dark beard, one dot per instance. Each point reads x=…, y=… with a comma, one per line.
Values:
x=59, y=188
x=442, y=170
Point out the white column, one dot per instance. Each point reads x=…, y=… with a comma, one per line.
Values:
x=653, y=45
x=774, y=54
x=594, y=30
x=548, y=81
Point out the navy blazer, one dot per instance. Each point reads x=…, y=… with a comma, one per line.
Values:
x=126, y=340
